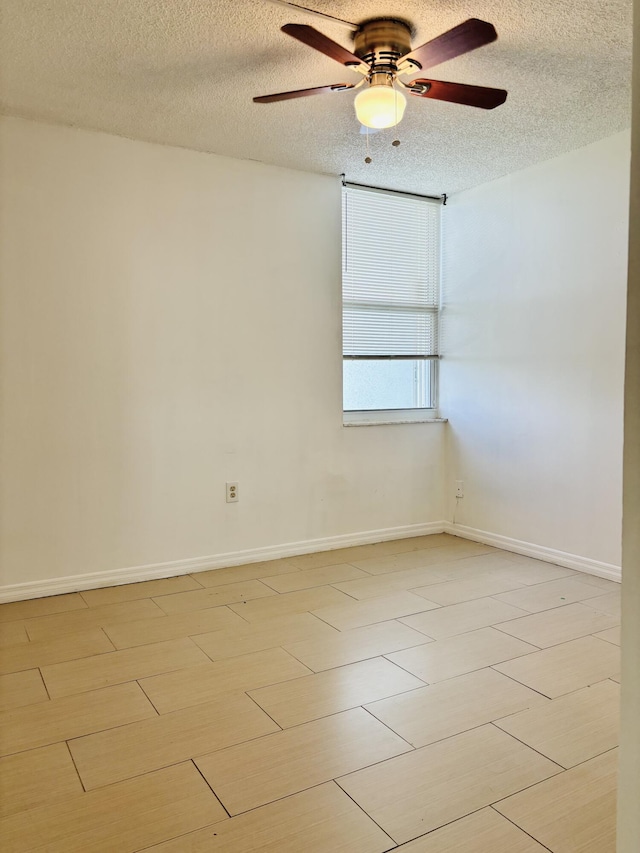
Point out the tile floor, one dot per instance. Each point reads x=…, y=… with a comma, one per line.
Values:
x=428, y=695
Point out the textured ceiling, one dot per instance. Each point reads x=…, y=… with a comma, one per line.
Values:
x=183, y=72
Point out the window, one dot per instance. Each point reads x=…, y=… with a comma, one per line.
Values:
x=391, y=300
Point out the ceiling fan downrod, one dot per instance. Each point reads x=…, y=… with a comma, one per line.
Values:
x=381, y=42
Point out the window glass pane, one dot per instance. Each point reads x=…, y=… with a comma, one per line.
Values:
x=372, y=385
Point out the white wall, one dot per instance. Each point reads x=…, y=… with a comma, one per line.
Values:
x=171, y=321
x=532, y=379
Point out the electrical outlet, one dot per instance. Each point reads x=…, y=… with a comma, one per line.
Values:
x=232, y=493
x=459, y=489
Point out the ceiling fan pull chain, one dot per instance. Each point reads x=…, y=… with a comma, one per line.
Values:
x=367, y=159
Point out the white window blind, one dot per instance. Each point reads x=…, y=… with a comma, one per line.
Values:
x=391, y=246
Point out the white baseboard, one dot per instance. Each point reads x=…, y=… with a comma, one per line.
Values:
x=539, y=552
x=117, y=577
x=135, y=574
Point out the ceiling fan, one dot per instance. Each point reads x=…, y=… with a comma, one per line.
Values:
x=383, y=55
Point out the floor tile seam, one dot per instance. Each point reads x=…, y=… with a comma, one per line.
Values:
x=583, y=601
x=267, y=714
x=583, y=574
x=496, y=599
x=185, y=835
x=418, y=747
x=184, y=759
x=513, y=823
x=598, y=610
x=513, y=636
x=199, y=588
x=554, y=776
x=233, y=611
x=86, y=692
x=343, y=666
x=473, y=669
x=487, y=668
x=170, y=639
x=103, y=631
x=69, y=740
x=513, y=678
x=43, y=615
x=10, y=644
x=235, y=691
x=149, y=699
x=267, y=648
x=611, y=643
x=24, y=706
x=386, y=618
x=54, y=636
x=208, y=784
x=409, y=749
x=288, y=796
x=564, y=767
x=334, y=586
x=75, y=766
x=389, y=594
x=561, y=767
x=394, y=843
x=44, y=684
x=341, y=711
x=213, y=606
x=468, y=631
x=126, y=649
x=519, y=683
x=315, y=784
x=393, y=571
x=129, y=680
x=261, y=578
x=215, y=589
x=324, y=621
x=363, y=659
x=443, y=825
x=560, y=770
x=413, y=589
x=568, y=692
x=285, y=729
x=577, y=578
x=30, y=668
x=426, y=683
x=137, y=776
x=322, y=585
x=562, y=642
x=545, y=610
x=568, y=576
x=82, y=593
x=592, y=758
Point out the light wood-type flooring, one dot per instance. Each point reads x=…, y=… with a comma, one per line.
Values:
x=427, y=695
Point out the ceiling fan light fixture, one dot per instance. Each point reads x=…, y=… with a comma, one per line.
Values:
x=380, y=106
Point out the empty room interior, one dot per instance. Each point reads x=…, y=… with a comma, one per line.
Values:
x=320, y=417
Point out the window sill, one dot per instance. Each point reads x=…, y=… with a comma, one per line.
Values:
x=396, y=416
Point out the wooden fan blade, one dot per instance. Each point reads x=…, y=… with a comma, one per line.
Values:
x=317, y=40
x=461, y=39
x=461, y=93
x=302, y=93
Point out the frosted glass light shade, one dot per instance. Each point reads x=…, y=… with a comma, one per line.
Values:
x=380, y=106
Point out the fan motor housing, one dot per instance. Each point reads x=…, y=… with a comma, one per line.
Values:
x=382, y=41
